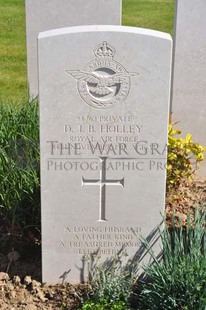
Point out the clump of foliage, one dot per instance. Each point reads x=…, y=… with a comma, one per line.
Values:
x=112, y=285
x=19, y=168
x=178, y=281
x=91, y=305
x=183, y=157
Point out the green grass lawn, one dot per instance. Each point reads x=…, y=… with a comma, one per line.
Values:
x=13, y=83
x=154, y=14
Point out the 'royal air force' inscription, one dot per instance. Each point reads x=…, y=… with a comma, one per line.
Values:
x=107, y=240
x=106, y=136
x=109, y=136
x=104, y=96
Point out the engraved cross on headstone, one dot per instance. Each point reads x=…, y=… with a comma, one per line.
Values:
x=102, y=182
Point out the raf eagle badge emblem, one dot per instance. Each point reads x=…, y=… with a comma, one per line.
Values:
x=103, y=81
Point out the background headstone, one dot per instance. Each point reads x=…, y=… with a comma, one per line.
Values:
x=42, y=15
x=104, y=103
x=189, y=79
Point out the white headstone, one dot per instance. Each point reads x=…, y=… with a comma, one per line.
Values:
x=104, y=101
x=42, y=15
x=189, y=80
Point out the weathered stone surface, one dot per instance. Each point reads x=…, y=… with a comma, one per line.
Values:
x=42, y=15
x=189, y=81
x=104, y=101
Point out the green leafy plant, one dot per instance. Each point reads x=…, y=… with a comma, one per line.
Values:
x=183, y=157
x=111, y=283
x=178, y=281
x=90, y=305
x=19, y=168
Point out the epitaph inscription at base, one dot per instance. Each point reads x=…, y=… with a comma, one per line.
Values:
x=104, y=100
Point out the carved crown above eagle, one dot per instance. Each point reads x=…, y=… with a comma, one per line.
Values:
x=104, y=50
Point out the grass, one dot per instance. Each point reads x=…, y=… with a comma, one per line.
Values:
x=19, y=168
x=154, y=14
x=184, y=259
x=178, y=281
x=13, y=83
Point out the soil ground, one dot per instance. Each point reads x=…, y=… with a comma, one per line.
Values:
x=20, y=274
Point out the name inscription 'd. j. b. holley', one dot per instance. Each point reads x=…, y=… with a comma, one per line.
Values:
x=104, y=97
x=102, y=83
